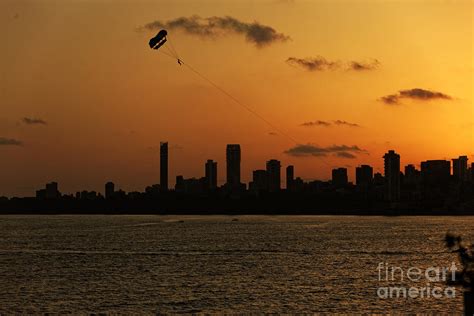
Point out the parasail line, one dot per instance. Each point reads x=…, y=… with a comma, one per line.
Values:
x=247, y=108
x=240, y=103
x=172, y=47
x=167, y=54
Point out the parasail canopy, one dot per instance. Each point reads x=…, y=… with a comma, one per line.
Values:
x=158, y=41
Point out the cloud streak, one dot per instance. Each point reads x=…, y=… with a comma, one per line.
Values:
x=10, y=142
x=329, y=124
x=364, y=66
x=212, y=27
x=34, y=121
x=320, y=63
x=309, y=150
x=345, y=123
x=316, y=123
x=414, y=94
x=313, y=63
x=345, y=154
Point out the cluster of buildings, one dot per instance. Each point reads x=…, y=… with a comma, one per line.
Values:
x=435, y=178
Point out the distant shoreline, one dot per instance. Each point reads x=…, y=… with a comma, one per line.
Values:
x=365, y=213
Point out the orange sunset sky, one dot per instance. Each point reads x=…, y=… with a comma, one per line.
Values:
x=84, y=100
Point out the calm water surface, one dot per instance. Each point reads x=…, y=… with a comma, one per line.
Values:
x=176, y=264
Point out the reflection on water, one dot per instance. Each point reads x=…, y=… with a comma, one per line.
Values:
x=216, y=264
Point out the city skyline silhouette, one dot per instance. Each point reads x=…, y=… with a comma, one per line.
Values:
x=438, y=187
x=87, y=112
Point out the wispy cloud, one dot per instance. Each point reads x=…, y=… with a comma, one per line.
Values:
x=309, y=150
x=345, y=123
x=345, y=154
x=313, y=63
x=320, y=63
x=316, y=123
x=329, y=124
x=414, y=94
x=34, y=121
x=259, y=34
x=364, y=66
x=10, y=142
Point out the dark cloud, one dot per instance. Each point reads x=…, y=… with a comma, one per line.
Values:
x=345, y=123
x=316, y=123
x=422, y=94
x=345, y=154
x=272, y=134
x=212, y=27
x=320, y=63
x=33, y=121
x=313, y=64
x=10, y=142
x=306, y=150
x=363, y=66
x=328, y=124
x=390, y=99
x=353, y=148
x=416, y=94
x=312, y=150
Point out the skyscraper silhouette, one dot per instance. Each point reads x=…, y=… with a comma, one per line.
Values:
x=460, y=168
x=364, y=176
x=164, y=166
x=211, y=174
x=339, y=177
x=436, y=173
x=233, y=166
x=274, y=175
x=109, y=190
x=392, y=176
x=290, y=177
x=259, y=181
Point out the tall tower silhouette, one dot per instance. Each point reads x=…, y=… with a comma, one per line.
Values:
x=233, y=165
x=273, y=174
x=364, y=175
x=164, y=166
x=290, y=177
x=460, y=168
x=392, y=176
x=211, y=174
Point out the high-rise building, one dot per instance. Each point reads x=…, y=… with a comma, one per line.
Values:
x=460, y=168
x=364, y=175
x=436, y=172
x=233, y=166
x=259, y=181
x=290, y=177
x=164, y=166
x=412, y=176
x=179, y=184
x=211, y=174
x=410, y=171
x=472, y=172
x=339, y=177
x=51, y=191
x=379, y=180
x=273, y=174
x=109, y=190
x=392, y=176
